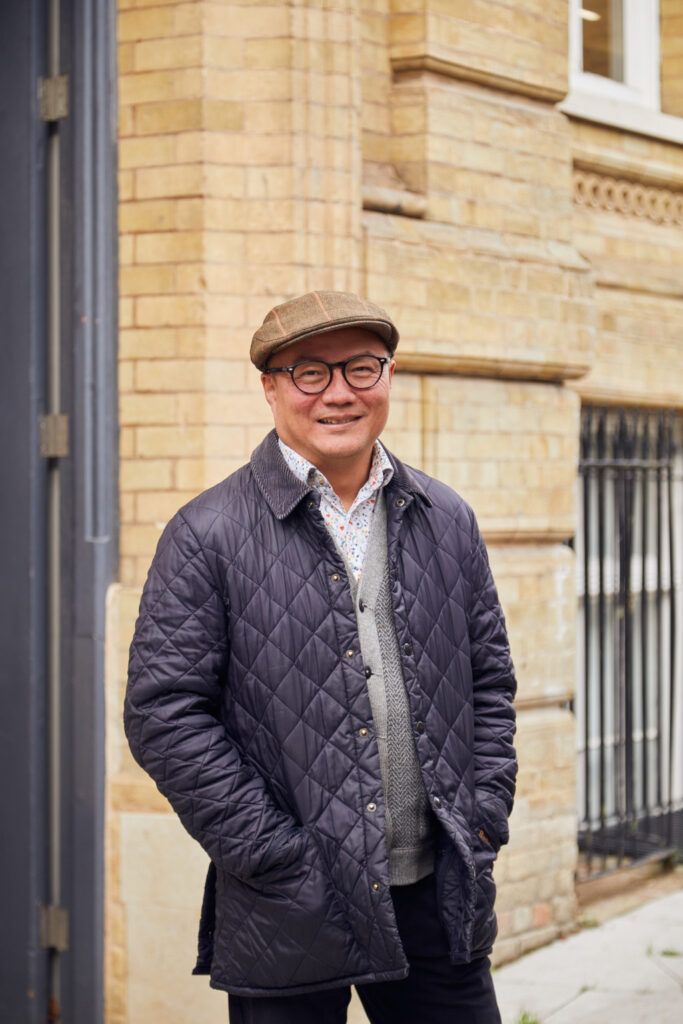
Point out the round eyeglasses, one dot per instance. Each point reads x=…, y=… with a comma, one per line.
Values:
x=314, y=375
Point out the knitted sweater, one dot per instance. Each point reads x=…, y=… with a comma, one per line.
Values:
x=409, y=821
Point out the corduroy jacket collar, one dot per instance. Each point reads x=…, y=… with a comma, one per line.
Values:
x=283, y=490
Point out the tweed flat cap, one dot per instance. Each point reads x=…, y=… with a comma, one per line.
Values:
x=318, y=313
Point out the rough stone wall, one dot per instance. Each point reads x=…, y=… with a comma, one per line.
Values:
x=413, y=151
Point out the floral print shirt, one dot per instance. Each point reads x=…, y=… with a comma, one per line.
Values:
x=351, y=529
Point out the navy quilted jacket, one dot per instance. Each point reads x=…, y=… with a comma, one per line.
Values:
x=247, y=704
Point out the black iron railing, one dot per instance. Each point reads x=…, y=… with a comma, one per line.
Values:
x=629, y=701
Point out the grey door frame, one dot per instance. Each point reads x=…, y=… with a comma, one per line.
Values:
x=88, y=503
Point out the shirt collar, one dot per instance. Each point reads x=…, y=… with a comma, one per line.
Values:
x=381, y=470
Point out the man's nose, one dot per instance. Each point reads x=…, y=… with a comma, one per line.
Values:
x=338, y=390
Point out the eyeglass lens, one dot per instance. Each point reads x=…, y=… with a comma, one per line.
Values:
x=360, y=372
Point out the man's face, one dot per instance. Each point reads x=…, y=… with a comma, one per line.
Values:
x=339, y=426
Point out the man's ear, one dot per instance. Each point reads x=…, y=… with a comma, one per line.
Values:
x=268, y=388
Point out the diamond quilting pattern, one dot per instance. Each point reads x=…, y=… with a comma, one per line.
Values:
x=243, y=707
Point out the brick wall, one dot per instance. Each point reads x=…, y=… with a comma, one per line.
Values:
x=248, y=133
x=671, y=30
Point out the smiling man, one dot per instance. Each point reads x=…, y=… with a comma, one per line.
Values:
x=320, y=683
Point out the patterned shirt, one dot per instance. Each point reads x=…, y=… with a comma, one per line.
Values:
x=350, y=529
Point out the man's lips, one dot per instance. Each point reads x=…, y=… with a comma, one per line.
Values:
x=337, y=421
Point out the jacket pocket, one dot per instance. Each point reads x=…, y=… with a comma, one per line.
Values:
x=485, y=926
x=283, y=931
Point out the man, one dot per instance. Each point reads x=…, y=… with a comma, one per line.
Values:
x=320, y=683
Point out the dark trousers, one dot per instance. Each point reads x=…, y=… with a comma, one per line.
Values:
x=435, y=991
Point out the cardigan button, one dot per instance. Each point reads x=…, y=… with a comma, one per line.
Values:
x=368, y=671
x=361, y=605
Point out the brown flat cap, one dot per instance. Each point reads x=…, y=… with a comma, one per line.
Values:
x=318, y=313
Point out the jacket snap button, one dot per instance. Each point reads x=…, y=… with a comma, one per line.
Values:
x=400, y=502
x=420, y=727
x=363, y=731
x=350, y=653
x=375, y=886
x=311, y=504
x=335, y=577
x=437, y=802
x=407, y=649
x=372, y=806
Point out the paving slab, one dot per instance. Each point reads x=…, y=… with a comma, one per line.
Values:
x=629, y=969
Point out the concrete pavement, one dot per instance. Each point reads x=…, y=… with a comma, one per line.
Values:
x=627, y=971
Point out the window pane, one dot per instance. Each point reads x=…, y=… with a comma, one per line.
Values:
x=603, y=38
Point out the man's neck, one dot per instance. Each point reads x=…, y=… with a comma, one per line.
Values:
x=346, y=481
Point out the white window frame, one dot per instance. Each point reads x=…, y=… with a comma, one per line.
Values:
x=641, y=56
x=634, y=104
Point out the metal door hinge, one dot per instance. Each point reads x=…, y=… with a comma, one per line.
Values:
x=54, y=435
x=53, y=97
x=54, y=927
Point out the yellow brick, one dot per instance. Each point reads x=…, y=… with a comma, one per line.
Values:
x=126, y=442
x=199, y=277
x=225, y=246
x=138, y=408
x=224, y=441
x=189, y=214
x=126, y=121
x=126, y=312
x=253, y=21
x=168, y=53
x=126, y=185
x=147, y=344
x=125, y=250
x=225, y=311
x=170, y=442
x=170, y=375
x=125, y=375
x=161, y=182
x=269, y=117
x=169, y=311
x=154, y=215
x=190, y=474
x=139, y=540
x=152, y=474
x=170, y=116
x=147, y=152
x=169, y=247
x=188, y=115
x=124, y=59
x=225, y=182
x=222, y=116
x=192, y=343
x=222, y=53
x=135, y=25
x=160, y=506
x=147, y=280
x=146, y=87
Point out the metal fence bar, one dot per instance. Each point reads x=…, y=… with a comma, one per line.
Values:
x=672, y=626
x=630, y=643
